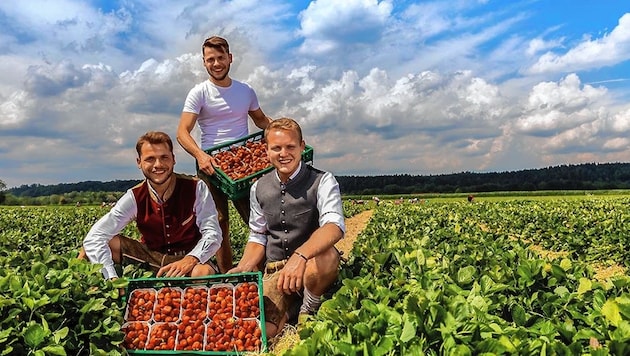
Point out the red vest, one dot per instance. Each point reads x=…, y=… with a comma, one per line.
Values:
x=171, y=227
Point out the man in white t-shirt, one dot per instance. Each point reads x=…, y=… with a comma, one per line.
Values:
x=220, y=106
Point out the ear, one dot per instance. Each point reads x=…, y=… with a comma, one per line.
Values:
x=230, y=56
x=138, y=163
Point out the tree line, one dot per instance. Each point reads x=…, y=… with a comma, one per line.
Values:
x=590, y=176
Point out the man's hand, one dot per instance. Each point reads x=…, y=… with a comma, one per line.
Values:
x=181, y=268
x=206, y=164
x=237, y=269
x=291, y=276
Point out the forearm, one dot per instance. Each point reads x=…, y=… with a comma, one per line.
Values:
x=253, y=256
x=324, y=238
x=187, y=122
x=189, y=144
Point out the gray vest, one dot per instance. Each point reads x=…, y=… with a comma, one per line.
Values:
x=291, y=211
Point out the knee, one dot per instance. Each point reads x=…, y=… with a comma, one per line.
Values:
x=201, y=270
x=326, y=263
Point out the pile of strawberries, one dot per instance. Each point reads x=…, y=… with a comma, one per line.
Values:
x=239, y=162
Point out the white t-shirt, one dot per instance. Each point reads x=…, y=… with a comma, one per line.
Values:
x=222, y=111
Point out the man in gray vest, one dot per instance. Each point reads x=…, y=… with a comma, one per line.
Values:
x=296, y=219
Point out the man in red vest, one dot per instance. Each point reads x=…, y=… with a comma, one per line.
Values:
x=175, y=215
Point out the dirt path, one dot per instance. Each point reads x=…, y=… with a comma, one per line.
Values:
x=354, y=226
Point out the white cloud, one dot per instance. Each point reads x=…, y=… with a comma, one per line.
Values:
x=329, y=25
x=592, y=53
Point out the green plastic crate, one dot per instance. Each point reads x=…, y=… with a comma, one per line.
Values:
x=240, y=188
x=208, y=281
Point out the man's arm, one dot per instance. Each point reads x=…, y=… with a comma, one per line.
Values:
x=96, y=243
x=260, y=119
x=255, y=250
x=253, y=257
x=187, y=123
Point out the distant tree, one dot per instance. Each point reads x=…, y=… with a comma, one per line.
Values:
x=3, y=186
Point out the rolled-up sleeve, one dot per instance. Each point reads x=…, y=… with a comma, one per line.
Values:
x=329, y=202
x=208, y=223
x=257, y=221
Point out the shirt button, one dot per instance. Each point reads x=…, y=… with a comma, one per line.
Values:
x=167, y=226
x=286, y=231
x=282, y=212
x=282, y=201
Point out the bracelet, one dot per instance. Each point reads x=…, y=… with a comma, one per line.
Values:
x=301, y=255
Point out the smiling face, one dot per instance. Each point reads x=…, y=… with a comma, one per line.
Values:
x=284, y=149
x=217, y=63
x=156, y=161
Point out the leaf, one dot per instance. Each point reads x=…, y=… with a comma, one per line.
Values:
x=585, y=286
x=561, y=291
x=466, y=275
x=610, y=310
x=363, y=330
x=60, y=334
x=518, y=315
x=408, y=331
x=566, y=264
x=54, y=350
x=34, y=335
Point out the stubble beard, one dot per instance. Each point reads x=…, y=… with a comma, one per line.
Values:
x=221, y=78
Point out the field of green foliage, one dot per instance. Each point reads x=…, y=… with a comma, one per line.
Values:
x=436, y=278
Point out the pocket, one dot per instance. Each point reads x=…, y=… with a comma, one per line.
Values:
x=188, y=220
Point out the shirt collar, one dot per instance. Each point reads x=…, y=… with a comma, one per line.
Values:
x=297, y=171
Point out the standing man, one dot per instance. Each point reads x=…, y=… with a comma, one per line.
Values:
x=175, y=215
x=296, y=220
x=220, y=106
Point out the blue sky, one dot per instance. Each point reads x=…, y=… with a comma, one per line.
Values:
x=380, y=87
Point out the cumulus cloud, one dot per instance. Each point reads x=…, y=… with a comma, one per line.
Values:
x=610, y=49
x=329, y=25
x=555, y=107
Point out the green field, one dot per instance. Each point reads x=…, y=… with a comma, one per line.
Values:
x=441, y=277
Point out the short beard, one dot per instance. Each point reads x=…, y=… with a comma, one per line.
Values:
x=227, y=72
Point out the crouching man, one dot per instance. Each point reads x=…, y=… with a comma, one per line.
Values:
x=296, y=219
x=174, y=214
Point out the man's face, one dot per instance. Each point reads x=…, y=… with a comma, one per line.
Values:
x=217, y=63
x=284, y=150
x=156, y=162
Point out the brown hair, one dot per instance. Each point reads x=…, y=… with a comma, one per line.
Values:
x=284, y=123
x=216, y=42
x=154, y=138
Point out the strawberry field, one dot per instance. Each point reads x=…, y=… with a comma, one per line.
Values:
x=444, y=278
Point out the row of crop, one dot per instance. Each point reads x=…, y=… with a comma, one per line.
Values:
x=456, y=279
